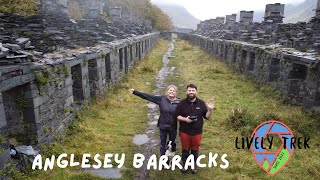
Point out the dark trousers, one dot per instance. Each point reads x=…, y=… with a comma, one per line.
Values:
x=163, y=139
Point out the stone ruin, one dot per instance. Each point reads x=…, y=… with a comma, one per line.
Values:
x=53, y=30
x=115, y=12
x=296, y=75
x=318, y=9
x=274, y=13
x=231, y=19
x=284, y=55
x=303, y=36
x=51, y=66
x=246, y=17
x=37, y=100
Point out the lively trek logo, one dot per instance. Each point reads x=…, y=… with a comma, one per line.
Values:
x=272, y=161
x=272, y=144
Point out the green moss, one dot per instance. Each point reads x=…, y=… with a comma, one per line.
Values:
x=102, y=56
x=58, y=138
x=85, y=61
x=68, y=110
x=43, y=78
x=313, y=71
x=2, y=139
x=2, y=151
x=288, y=35
x=21, y=102
x=65, y=71
x=45, y=130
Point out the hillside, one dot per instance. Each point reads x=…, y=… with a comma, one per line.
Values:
x=181, y=18
x=300, y=12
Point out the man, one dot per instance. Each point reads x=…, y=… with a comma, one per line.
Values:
x=190, y=112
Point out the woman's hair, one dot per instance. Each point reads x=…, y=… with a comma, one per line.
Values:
x=171, y=86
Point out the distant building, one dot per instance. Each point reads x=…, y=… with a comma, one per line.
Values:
x=274, y=13
x=231, y=19
x=220, y=20
x=318, y=9
x=246, y=17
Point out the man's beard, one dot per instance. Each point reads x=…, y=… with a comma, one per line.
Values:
x=192, y=97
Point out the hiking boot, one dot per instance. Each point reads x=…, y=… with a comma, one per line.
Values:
x=195, y=171
x=183, y=170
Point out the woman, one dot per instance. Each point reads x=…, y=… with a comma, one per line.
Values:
x=167, y=122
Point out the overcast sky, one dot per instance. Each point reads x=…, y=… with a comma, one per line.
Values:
x=206, y=9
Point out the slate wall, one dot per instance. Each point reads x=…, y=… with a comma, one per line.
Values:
x=37, y=101
x=296, y=75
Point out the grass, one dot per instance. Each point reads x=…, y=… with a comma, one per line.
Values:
x=110, y=123
x=255, y=104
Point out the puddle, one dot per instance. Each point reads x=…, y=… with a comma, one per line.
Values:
x=109, y=173
x=140, y=139
x=151, y=106
x=150, y=131
x=153, y=123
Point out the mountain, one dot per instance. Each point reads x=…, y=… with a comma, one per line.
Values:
x=180, y=16
x=300, y=12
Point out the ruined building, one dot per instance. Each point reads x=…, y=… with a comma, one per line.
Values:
x=274, y=13
x=46, y=76
x=318, y=9
x=231, y=19
x=246, y=17
x=286, y=56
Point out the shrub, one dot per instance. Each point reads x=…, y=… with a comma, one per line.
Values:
x=238, y=118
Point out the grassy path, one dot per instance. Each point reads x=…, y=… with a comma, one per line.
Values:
x=230, y=90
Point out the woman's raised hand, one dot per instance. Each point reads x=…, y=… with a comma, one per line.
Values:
x=131, y=91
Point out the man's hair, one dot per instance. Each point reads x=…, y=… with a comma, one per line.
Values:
x=192, y=86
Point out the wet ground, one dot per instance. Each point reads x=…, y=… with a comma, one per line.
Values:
x=109, y=173
x=152, y=145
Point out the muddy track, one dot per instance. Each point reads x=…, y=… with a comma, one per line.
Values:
x=153, y=145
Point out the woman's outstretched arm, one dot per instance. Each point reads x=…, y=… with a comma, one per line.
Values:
x=152, y=98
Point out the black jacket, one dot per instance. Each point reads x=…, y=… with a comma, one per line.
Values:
x=187, y=108
x=167, y=119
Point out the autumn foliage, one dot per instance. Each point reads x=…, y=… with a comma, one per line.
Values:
x=146, y=9
x=21, y=7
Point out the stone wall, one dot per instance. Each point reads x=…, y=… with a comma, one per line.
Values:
x=38, y=100
x=303, y=36
x=295, y=74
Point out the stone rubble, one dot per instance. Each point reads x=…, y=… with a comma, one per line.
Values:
x=27, y=38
